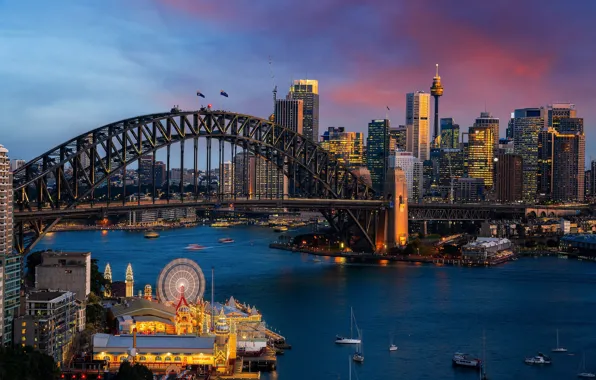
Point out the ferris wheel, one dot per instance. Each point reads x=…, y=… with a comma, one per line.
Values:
x=180, y=277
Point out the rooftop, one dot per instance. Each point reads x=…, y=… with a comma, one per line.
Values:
x=45, y=295
x=140, y=306
x=65, y=254
x=488, y=242
x=154, y=343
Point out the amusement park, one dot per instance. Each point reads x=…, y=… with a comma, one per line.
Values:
x=177, y=333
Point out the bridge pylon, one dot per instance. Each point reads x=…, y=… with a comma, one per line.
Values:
x=392, y=229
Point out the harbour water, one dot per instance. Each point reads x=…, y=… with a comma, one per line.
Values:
x=431, y=311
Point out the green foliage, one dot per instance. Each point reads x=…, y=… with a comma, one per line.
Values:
x=27, y=364
x=136, y=372
x=95, y=314
x=97, y=280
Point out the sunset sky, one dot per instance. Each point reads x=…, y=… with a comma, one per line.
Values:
x=71, y=66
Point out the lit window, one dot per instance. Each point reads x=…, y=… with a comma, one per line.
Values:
x=106, y=358
x=168, y=358
x=158, y=358
x=177, y=359
x=23, y=338
x=24, y=324
x=142, y=358
x=23, y=331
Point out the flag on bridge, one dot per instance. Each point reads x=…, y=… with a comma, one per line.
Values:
x=199, y=93
x=388, y=109
x=223, y=93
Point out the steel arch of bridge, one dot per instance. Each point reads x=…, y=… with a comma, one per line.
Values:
x=94, y=157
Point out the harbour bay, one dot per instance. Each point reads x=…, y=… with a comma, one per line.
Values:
x=431, y=311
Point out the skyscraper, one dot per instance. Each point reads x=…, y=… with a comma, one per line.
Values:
x=451, y=168
x=569, y=149
x=290, y=114
x=413, y=170
x=508, y=178
x=527, y=124
x=436, y=91
x=10, y=263
x=418, y=128
x=480, y=154
x=397, y=139
x=307, y=90
x=449, y=133
x=487, y=120
x=377, y=152
x=15, y=164
x=558, y=111
x=227, y=182
x=347, y=147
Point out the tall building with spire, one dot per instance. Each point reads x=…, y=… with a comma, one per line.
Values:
x=129, y=281
x=307, y=90
x=436, y=90
x=107, y=275
x=417, y=126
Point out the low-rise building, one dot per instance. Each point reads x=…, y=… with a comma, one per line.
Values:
x=485, y=248
x=65, y=271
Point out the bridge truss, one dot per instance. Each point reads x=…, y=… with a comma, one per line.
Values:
x=70, y=175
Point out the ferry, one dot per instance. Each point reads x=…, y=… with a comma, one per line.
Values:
x=466, y=360
x=226, y=240
x=538, y=359
x=280, y=229
x=151, y=235
x=195, y=247
x=220, y=225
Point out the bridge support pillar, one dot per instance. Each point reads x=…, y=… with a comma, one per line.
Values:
x=392, y=226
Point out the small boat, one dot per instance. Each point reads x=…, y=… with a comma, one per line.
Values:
x=195, y=247
x=538, y=359
x=342, y=340
x=151, y=235
x=358, y=356
x=226, y=240
x=280, y=229
x=466, y=360
x=316, y=260
x=393, y=347
x=558, y=348
x=564, y=257
x=582, y=368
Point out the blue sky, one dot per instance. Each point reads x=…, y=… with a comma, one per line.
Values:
x=71, y=66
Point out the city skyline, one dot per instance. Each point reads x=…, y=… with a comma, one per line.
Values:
x=124, y=67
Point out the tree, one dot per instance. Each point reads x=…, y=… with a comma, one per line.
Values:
x=97, y=281
x=137, y=372
x=25, y=363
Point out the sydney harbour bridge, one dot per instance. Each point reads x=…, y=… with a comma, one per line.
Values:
x=64, y=181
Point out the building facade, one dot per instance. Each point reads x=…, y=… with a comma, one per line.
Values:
x=289, y=113
x=527, y=124
x=508, y=178
x=377, y=152
x=347, y=147
x=65, y=271
x=480, y=154
x=487, y=120
x=49, y=324
x=417, y=124
x=413, y=171
x=397, y=139
x=307, y=90
x=449, y=133
x=568, y=166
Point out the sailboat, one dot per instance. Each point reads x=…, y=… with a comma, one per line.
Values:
x=341, y=340
x=392, y=347
x=559, y=348
x=583, y=373
x=358, y=355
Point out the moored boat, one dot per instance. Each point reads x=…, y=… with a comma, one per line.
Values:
x=558, y=348
x=582, y=368
x=280, y=229
x=226, y=240
x=466, y=360
x=343, y=340
x=538, y=359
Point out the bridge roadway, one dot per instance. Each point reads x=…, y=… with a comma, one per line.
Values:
x=417, y=212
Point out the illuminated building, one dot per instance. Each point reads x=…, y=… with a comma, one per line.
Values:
x=544, y=176
x=449, y=134
x=107, y=275
x=255, y=177
x=417, y=113
x=307, y=90
x=527, y=124
x=377, y=152
x=558, y=111
x=508, y=178
x=129, y=280
x=397, y=139
x=148, y=294
x=228, y=178
x=436, y=91
x=6, y=248
x=487, y=120
x=480, y=154
x=347, y=147
x=569, y=148
x=413, y=171
x=289, y=113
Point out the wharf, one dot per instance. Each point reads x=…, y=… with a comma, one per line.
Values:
x=385, y=259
